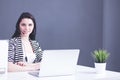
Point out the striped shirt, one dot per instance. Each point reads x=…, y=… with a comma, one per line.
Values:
x=15, y=51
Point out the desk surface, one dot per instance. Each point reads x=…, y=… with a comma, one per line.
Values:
x=83, y=73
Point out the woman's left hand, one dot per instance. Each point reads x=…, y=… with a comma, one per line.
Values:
x=21, y=63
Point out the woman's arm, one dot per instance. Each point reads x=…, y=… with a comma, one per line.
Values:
x=21, y=66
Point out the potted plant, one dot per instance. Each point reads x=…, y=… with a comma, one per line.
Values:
x=100, y=57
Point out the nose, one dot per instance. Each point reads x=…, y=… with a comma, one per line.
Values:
x=26, y=27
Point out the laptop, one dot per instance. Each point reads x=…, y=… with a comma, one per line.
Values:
x=3, y=56
x=58, y=63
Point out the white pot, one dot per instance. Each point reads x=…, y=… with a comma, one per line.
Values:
x=100, y=68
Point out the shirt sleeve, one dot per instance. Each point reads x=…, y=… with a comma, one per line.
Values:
x=11, y=51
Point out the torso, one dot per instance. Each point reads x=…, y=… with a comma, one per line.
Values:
x=16, y=52
x=28, y=52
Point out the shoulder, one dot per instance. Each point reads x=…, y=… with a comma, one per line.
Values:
x=34, y=41
x=14, y=40
x=35, y=44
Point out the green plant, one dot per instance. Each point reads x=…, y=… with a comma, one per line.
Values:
x=100, y=56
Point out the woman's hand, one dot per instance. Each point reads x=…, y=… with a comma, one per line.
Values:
x=21, y=63
x=35, y=66
x=32, y=66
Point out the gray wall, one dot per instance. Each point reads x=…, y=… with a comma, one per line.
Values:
x=62, y=24
x=111, y=35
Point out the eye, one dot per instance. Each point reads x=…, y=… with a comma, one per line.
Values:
x=23, y=24
x=30, y=24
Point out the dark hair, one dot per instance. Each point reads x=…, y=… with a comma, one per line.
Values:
x=17, y=31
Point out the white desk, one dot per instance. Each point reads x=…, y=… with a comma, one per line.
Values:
x=83, y=73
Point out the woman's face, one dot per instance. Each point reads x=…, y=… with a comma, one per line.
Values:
x=26, y=27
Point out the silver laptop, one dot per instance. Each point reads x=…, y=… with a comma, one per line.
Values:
x=58, y=63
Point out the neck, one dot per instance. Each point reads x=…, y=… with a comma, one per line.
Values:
x=24, y=38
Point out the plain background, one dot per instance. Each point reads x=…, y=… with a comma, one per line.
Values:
x=69, y=24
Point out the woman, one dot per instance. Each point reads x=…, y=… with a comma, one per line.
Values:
x=24, y=52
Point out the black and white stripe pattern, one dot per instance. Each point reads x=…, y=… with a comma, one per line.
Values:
x=15, y=51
